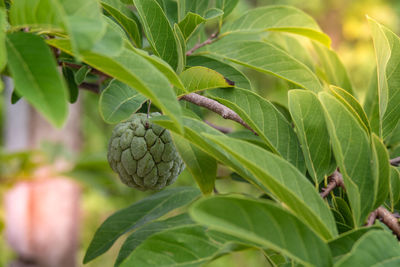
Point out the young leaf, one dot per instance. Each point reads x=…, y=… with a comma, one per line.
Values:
x=132, y=69
x=126, y=18
x=266, y=120
x=201, y=78
x=263, y=223
x=394, y=189
x=343, y=244
x=158, y=31
x=381, y=166
x=119, y=101
x=35, y=75
x=202, y=166
x=267, y=58
x=226, y=5
x=180, y=40
x=278, y=18
x=284, y=182
x=140, y=235
x=3, y=52
x=375, y=248
x=190, y=23
x=309, y=120
x=224, y=68
x=353, y=153
x=81, y=74
x=387, y=50
x=333, y=68
x=137, y=215
x=213, y=13
x=72, y=86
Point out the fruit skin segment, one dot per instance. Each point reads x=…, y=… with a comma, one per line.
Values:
x=143, y=154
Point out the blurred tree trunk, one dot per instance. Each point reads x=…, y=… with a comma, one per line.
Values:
x=42, y=215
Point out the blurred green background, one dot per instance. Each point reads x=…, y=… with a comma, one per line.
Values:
x=343, y=20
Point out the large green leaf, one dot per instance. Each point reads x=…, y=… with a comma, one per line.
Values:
x=3, y=52
x=82, y=22
x=394, y=190
x=35, y=75
x=119, y=101
x=126, y=18
x=266, y=120
x=381, y=166
x=387, y=50
x=224, y=68
x=284, y=181
x=140, y=235
x=226, y=5
x=158, y=31
x=202, y=166
x=308, y=117
x=195, y=6
x=201, y=78
x=190, y=23
x=375, y=248
x=278, y=18
x=264, y=223
x=353, y=153
x=137, y=215
x=333, y=68
x=342, y=244
x=132, y=69
x=267, y=58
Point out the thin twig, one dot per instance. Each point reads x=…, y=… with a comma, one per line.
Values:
x=210, y=40
x=390, y=220
x=216, y=107
x=219, y=128
x=335, y=180
x=372, y=217
x=395, y=161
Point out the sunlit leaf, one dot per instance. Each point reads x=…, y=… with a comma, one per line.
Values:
x=190, y=23
x=227, y=6
x=3, y=53
x=381, y=167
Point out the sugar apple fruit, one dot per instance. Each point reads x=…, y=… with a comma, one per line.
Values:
x=143, y=154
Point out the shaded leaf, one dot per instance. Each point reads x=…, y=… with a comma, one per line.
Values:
x=226, y=5
x=170, y=8
x=35, y=75
x=283, y=181
x=180, y=40
x=119, y=101
x=202, y=166
x=3, y=52
x=81, y=74
x=278, y=18
x=137, y=215
x=225, y=69
x=73, y=89
x=266, y=120
x=194, y=6
x=381, y=166
x=309, y=120
x=267, y=58
x=158, y=31
x=190, y=23
x=15, y=97
x=213, y=13
x=264, y=223
x=394, y=190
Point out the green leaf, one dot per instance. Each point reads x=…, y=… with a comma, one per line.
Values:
x=140, y=235
x=227, y=6
x=264, y=223
x=387, y=50
x=190, y=23
x=126, y=18
x=308, y=117
x=213, y=13
x=194, y=6
x=201, y=78
x=267, y=58
x=119, y=101
x=394, y=189
x=278, y=18
x=353, y=153
x=224, y=68
x=82, y=22
x=375, y=248
x=371, y=104
x=343, y=244
x=137, y=215
x=73, y=89
x=36, y=77
x=202, y=166
x=15, y=97
x=81, y=74
x=344, y=209
x=180, y=40
x=170, y=8
x=284, y=181
x=381, y=166
x=333, y=68
x=266, y=120
x=3, y=52
x=158, y=31
x=132, y=69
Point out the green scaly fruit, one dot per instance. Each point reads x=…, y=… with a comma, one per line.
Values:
x=143, y=154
